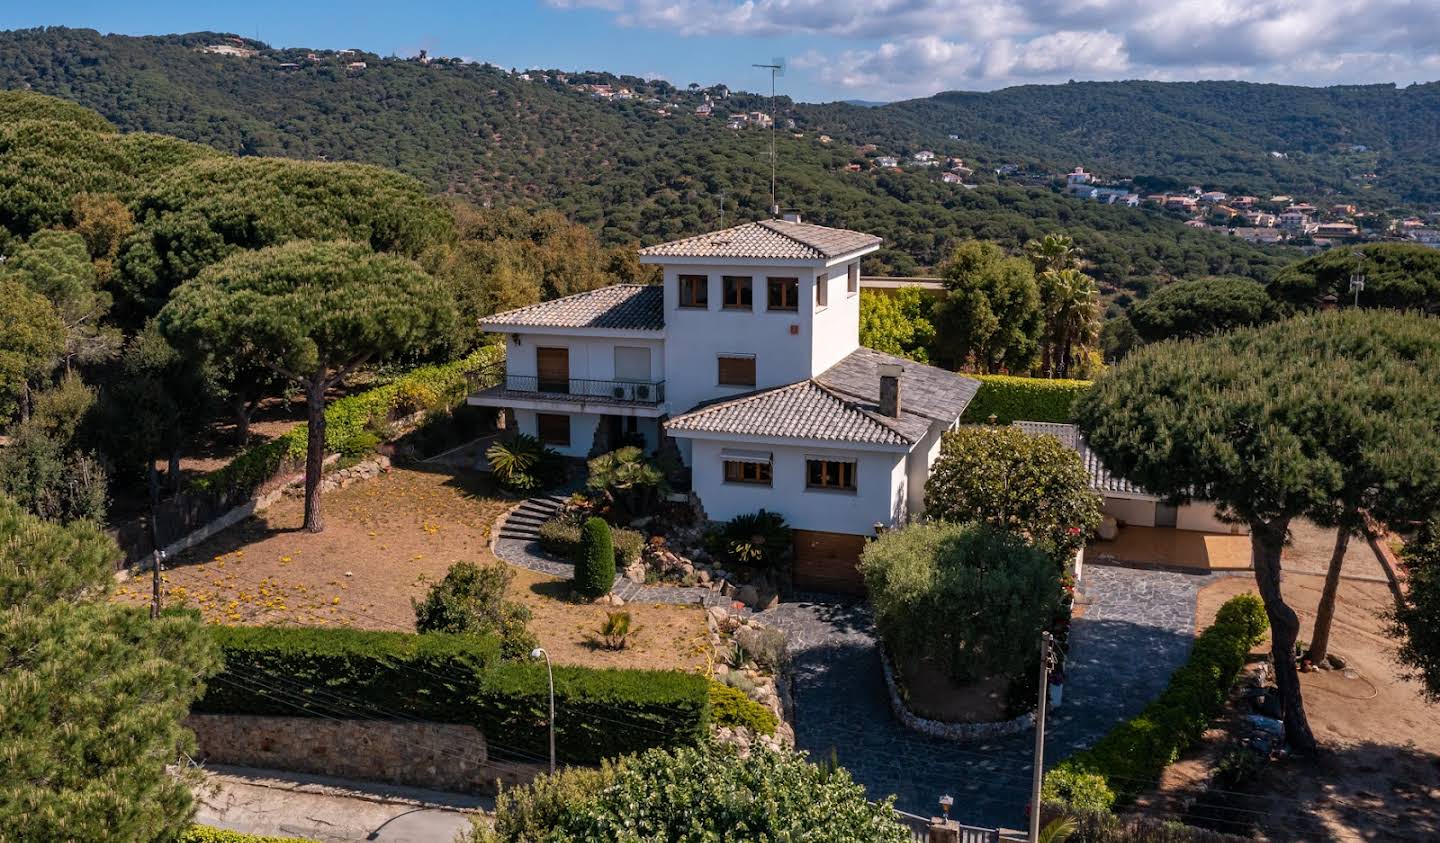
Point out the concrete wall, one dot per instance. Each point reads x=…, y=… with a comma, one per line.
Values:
x=582, y=431
x=1201, y=516
x=836, y=329
x=880, y=488
x=918, y=465
x=442, y=756
x=590, y=357
x=1136, y=513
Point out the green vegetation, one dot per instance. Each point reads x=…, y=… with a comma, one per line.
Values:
x=523, y=464
x=595, y=563
x=1120, y=765
x=731, y=707
x=991, y=316
x=1034, y=486
x=899, y=322
x=626, y=477
x=1011, y=399
x=1401, y=276
x=1105, y=827
x=694, y=794
x=561, y=537
x=1339, y=419
x=94, y=693
x=925, y=582
x=470, y=599
x=33, y=339
x=1416, y=619
x=757, y=539
x=298, y=671
x=1201, y=307
x=207, y=834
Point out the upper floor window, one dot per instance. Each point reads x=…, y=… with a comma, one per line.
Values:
x=739, y=291
x=852, y=278
x=736, y=370
x=782, y=293
x=830, y=474
x=694, y=291
x=822, y=290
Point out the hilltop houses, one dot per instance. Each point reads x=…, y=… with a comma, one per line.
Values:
x=746, y=363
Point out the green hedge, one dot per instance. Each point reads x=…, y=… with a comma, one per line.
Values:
x=209, y=834
x=561, y=536
x=1011, y=399
x=298, y=672
x=347, y=420
x=1134, y=753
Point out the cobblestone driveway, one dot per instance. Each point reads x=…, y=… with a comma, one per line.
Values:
x=1136, y=630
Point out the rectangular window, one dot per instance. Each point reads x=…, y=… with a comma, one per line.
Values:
x=553, y=429
x=830, y=474
x=739, y=292
x=694, y=291
x=783, y=293
x=737, y=370
x=822, y=290
x=852, y=278
x=632, y=363
x=757, y=473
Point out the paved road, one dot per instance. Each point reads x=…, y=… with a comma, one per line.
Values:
x=1136, y=630
x=330, y=810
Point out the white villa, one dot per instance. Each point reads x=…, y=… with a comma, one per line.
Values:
x=748, y=360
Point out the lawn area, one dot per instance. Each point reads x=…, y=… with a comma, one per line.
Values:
x=385, y=542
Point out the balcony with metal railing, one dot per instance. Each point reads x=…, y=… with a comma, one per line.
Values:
x=576, y=390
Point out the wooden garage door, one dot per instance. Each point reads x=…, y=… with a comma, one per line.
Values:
x=826, y=562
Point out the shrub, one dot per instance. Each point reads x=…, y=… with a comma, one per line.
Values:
x=471, y=599
x=766, y=646
x=710, y=794
x=595, y=564
x=598, y=713
x=1099, y=826
x=528, y=813
x=758, y=539
x=1415, y=621
x=1133, y=754
x=974, y=596
x=38, y=472
x=524, y=465
x=626, y=477
x=209, y=834
x=348, y=673
x=1007, y=478
x=615, y=632
x=560, y=536
x=360, y=445
x=1011, y=399
x=731, y=707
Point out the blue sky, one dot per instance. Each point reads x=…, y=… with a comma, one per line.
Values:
x=837, y=49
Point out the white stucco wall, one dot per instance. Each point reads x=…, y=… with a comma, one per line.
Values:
x=880, y=488
x=918, y=465
x=836, y=328
x=590, y=357
x=1137, y=513
x=582, y=431
x=1201, y=516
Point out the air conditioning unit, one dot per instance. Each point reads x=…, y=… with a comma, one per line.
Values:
x=642, y=392
x=619, y=393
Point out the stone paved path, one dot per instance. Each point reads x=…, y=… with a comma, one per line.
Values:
x=1137, y=629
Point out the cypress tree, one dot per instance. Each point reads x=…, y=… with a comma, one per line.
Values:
x=595, y=569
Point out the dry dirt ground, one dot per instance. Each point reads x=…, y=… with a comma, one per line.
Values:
x=1378, y=776
x=385, y=542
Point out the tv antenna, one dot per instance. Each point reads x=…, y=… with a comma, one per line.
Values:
x=776, y=68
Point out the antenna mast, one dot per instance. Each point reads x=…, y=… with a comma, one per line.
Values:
x=776, y=68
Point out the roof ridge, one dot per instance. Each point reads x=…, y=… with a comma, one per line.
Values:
x=768, y=226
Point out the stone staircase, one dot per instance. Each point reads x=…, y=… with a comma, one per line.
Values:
x=523, y=524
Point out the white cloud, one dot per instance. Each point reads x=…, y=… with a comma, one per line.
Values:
x=915, y=47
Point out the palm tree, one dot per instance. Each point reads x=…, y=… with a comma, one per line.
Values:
x=1053, y=252
x=1051, y=255
x=1072, y=316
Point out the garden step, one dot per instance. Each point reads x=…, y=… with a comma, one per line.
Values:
x=523, y=517
x=517, y=536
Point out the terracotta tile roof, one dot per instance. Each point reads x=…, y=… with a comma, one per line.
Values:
x=622, y=307
x=935, y=393
x=773, y=239
x=1101, y=480
x=804, y=410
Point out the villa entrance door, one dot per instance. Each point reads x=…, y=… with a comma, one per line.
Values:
x=552, y=365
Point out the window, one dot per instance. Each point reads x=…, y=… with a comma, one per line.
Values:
x=553, y=429
x=737, y=370
x=822, y=290
x=632, y=363
x=852, y=278
x=830, y=474
x=737, y=471
x=783, y=293
x=739, y=292
x=694, y=291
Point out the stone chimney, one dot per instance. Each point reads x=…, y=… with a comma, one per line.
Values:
x=791, y=215
x=890, y=389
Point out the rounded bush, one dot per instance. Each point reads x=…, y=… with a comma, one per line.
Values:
x=595, y=566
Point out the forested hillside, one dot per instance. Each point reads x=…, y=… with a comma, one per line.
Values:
x=618, y=167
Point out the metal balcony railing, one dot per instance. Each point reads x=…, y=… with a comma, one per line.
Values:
x=587, y=389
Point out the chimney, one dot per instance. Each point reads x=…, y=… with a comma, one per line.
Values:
x=890, y=389
x=792, y=215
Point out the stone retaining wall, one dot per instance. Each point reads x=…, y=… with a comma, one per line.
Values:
x=959, y=732
x=440, y=756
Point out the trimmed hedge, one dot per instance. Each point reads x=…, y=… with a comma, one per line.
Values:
x=347, y=422
x=1011, y=398
x=1134, y=753
x=560, y=536
x=315, y=672
x=210, y=834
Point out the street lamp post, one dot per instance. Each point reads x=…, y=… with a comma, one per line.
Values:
x=539, y=653
x=1047, y=655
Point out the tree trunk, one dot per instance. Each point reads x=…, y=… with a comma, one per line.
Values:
x=314, y=452
x=243, y=411
x=1325, y=613
x=1266, y=542
x=172, y=472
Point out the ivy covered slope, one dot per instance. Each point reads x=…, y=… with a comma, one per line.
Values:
x=620, y=168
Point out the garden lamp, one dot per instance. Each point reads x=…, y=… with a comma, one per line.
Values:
x=946, y=803
x=539, y=653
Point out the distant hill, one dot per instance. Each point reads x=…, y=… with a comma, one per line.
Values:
x=621, y=167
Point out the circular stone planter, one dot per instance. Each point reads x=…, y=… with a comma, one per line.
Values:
x=959, y=732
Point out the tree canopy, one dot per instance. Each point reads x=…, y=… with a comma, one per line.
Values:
x=1307, y=417
x=32, y=341
x=899, y=322
x=1402, y=276
x=992, y=314
x=1416, y=620
x=1201, y=306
